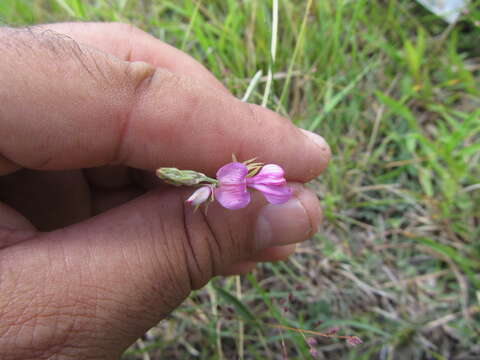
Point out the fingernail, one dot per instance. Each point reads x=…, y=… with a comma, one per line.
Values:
x=283, y=224
x=317, y=139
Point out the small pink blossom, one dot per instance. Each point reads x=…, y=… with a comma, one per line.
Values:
x=232, y=190
x=354, y=341
x=200, y=195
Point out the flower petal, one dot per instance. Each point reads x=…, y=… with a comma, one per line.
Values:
x=275, y=194
x=270, y=174
x=232, y=196
x=232, y=173
x=272, y=170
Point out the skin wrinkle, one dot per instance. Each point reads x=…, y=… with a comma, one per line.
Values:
x=105, y=79
x=24, y=311
x=186, y=261
x=177, y=254
x=10, y=237
x=312, y=222
x=57, y=47
x=60, y=44
x=6, y=166
x=146, y=276
x=14, y=281
x=191, y=100
x=212, y=241
x=171, y=280
x=20, y=328
x=142, y=81
x=232, y=237
x=191, y=253
x=7, y=35
x=211, y=233
x=100, y=300
x=171, y=264
x=65, y=312
x=45, y=305
x=130, y=31
x=69, y=312
x=71, y=325
x=74, y=48
x=44, y=162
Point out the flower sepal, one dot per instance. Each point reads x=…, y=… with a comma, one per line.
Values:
x=177, y=177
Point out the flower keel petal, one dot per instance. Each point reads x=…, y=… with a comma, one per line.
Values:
x=275, y=194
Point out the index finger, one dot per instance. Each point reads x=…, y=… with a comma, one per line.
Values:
x=129, y=43
x=69, y=106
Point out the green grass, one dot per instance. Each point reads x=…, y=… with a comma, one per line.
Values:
x=396, y=92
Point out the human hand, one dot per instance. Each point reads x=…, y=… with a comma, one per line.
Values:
x=84, y=124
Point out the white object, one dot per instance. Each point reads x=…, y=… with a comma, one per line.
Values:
x=449, y=10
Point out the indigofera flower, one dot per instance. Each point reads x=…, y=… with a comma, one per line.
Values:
x=230, y=186
x=354, y=341
x=233, y=181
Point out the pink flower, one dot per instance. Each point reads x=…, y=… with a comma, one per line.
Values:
x=313, y=352
x=354, y=341
x=233, y=181
x=199, y=196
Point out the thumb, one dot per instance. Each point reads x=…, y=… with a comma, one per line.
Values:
x=116, y=275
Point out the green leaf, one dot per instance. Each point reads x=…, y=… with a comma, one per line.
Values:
x=466, y=264
x=74, y=8
x=240, y=308
x=398, y=108
x=332, y=102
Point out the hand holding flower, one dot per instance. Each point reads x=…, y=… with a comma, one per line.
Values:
x=230, y=188
x=92, y=251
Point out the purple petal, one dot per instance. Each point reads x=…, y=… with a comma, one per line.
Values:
x=275, y=194
x=354, y=341
x=232, y=196
x=271, y=182
x=272, y=170
x=270, y=174
x=232, y=173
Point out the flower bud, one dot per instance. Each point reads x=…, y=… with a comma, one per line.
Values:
x=177, y=177
x=200, y=196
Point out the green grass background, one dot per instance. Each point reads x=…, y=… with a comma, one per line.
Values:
x=395, y=91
